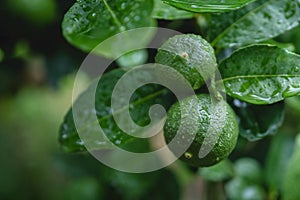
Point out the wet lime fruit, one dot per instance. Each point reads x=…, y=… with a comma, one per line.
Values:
x=227, y=133
x=190, y=55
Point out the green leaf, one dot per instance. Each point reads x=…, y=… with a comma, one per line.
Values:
x=278, y=155
x=90, y=22
x=139, y=106
x=287, y=46
x=292, y=36
x=261, y=74
x=218, y=22
x=208, y=6
x=291, y=180
x=257, y=122
x=167, y=12
x=219, y=172
x=190, y=55
x=267, y=21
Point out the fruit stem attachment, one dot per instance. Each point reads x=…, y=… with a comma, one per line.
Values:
x=188, y=155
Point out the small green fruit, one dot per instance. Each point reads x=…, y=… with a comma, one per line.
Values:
x=190, y=55
x=226, y=139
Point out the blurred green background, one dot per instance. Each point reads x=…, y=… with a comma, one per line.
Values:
x=37, y=70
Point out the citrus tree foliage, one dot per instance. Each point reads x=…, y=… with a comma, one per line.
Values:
x=242, y=39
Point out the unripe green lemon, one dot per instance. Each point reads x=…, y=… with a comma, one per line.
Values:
x=227, y=132
x=190, y=55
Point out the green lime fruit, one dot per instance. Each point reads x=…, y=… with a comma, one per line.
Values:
x=190, y=55
x=227, y=131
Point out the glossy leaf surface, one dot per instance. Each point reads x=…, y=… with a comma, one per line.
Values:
x=267, y=21
x=219, y=22
x=164, y=11
x=257, y=122
x=139, y=106
x=261, y=74
x=90, y=22
x=208, y=6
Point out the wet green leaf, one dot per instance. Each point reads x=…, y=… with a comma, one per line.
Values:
x=287, y=46
x=139, y=106
x=167, y=12
x=218, y=22
x=190, y=55
x=292, y=36
x=90, y=22
x=257, y=122
x=267, y=21
x=261, y=74
x=208, y=6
